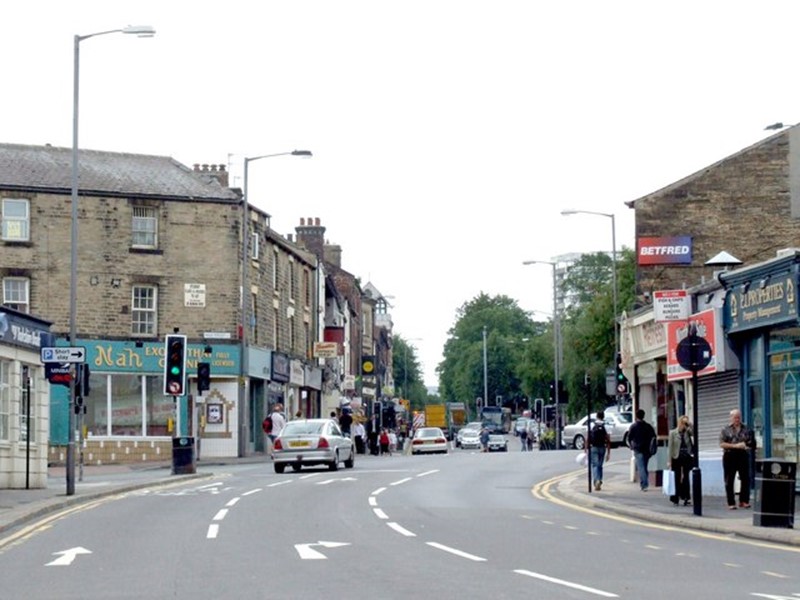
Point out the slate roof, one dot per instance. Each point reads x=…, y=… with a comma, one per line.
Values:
x=106, y=173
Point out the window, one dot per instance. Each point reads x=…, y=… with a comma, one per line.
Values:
x=254, y=245
x=275, y=270
x=16, y=220
x=15, y=293
x=5, y=399
x=292, y=282
x=144, y=310
x=307, y=286
x=144, y=227
x=24, y=410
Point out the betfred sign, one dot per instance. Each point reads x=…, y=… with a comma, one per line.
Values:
x=664, y=250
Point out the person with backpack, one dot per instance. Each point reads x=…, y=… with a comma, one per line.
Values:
x=642, y=440
x=600, y=447
x=274, y=423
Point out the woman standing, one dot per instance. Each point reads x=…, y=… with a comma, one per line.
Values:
x=681, y=459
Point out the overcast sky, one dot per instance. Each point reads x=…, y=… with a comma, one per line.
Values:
x=447, y=135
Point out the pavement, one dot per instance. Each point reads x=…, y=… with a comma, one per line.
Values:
x=619, y=495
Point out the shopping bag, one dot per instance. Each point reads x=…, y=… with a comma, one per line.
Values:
x=668, y=483
x=580, y=458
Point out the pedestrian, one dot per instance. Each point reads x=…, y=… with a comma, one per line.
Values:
x=484, y=439
x=642, y=440
x=600, y=446
x=345, y=421
x=298, y=414
x=523, y=438
x=681, y=459
x=278, y=423
x=736, y=441
x=360, y=434
x=392, y=441
x=383, y=440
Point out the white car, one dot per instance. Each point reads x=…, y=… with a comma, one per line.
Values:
x=469, y=427
x=309, y=442
x=471, y=438
x=429, y=440
x=617, y=426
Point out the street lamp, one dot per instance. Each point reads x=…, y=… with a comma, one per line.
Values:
x=140, y=31
x=556, y=345
x=485, y=377
x=242, y=412
x=613, y=263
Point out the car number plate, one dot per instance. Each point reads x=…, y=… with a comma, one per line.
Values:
x=299, y=444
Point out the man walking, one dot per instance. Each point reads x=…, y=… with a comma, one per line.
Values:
x=736, y=441
x=641, y=439
x=600, y=446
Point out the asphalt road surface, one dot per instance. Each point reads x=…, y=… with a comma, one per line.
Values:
x=463, y=525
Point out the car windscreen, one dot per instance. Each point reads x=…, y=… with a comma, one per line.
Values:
x=302, y=428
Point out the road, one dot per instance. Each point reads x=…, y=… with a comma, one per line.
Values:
x=465, y=525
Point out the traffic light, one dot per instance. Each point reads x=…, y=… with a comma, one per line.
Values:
x=203, y=376
x=82, y=374
x=621, y=381
x=368, y=365
x=175, y=365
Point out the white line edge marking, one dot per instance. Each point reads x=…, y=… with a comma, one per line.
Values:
x=208, y=485
x=213, y=530
x=575, y=586
x=428, y=473
x=378, y=491
x=379, y=513
x=251, y=492
x=401, y=481
x=456, y=552
x=373, y=501
x=220, y=515
x=276, y=484
x=401, y=530
x=232, y=502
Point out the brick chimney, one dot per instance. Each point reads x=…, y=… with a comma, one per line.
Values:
x=217, y=172
x=311, y=236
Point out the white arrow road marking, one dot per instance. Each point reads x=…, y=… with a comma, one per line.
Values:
x=67, y=556
x=307, y=553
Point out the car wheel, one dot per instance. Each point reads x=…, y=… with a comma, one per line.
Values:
x=348, y=464
x=279, y=467
x=334, y=465
x=625, y=439
x=579, y=442
x=296, y=467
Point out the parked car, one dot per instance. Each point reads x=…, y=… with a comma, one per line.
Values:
x=617, y=426
x=310, y=442
x=471, y=438
x=428, y=439
x=497, y=443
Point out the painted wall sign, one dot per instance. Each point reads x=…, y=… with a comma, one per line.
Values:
x=664, y=250
x=761, y=302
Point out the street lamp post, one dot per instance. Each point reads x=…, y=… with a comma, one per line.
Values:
x=556, y=346
x=242, y=412
x=140, y=31
x=485, y=376
x=613, y=264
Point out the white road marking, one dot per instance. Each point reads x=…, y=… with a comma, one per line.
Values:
x=326, y=482
x=251, y=492
x=213, y=530
x=284, y=482
x=774, y=574
x=378, y=491
x=67, y=556
x=379, y=513
x=309, y=475
x=401, y=530
x=306, y=552
x=401, y=481
x=232, y=502
x=569, y=584
x=428, y=473
x=209, y=485
x=220, y=515
x=456, y=552
x=373, y=501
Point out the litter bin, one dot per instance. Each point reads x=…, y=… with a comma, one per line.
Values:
x=183, y=456
x=775, y=481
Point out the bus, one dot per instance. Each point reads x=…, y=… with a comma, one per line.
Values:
x=496, y=418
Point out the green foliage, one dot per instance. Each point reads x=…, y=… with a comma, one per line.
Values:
x=407, y=373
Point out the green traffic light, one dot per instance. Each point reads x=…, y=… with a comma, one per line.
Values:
x=175, y=370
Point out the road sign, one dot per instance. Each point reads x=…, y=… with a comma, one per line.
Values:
x=66, y=354
x=694, y=353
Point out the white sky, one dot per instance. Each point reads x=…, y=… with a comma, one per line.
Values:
x=447, y=134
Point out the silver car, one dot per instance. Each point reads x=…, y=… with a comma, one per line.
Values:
x=310, y=442
x=617, y=426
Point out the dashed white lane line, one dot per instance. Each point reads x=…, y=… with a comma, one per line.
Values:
x=379, y=513
x=401, y=530
x=251, y=492
x=284, y=482
x=569, y=584
x=401, y=481
x=428, y=473
x=232, y=502
x=213, y=530
x=378, y=491
x=220, y=515
x=456, y=552
x=373, y=501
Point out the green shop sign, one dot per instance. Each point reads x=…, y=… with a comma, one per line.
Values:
x=760, y=303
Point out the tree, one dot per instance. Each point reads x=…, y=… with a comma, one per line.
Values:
x=406, y=370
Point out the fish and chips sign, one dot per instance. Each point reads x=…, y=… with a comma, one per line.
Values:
x=671, y=305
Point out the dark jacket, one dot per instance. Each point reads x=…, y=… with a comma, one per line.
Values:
x=640, y=436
